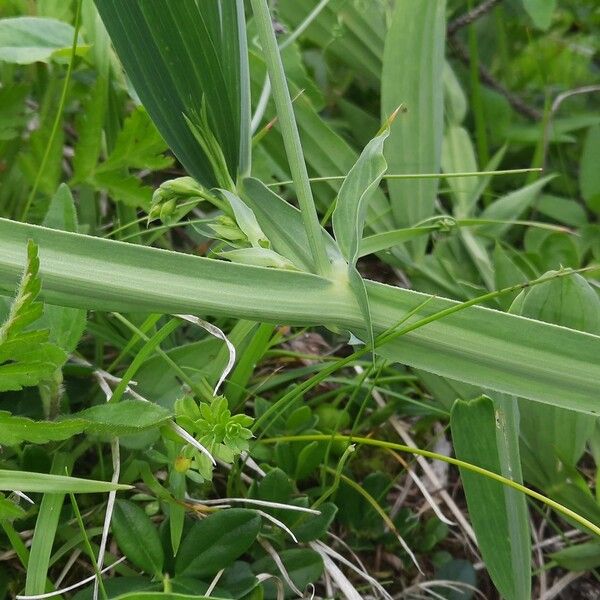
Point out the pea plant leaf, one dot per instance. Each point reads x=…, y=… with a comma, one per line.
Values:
x=26, y=356
x=217, y=541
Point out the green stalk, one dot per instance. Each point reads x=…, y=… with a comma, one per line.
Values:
x=291, y=137
x=421, y=175
x=567, y=512
x=487, y=348
x=59, y=112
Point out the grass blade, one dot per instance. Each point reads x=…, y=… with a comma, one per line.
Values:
x=176, y=54
x=490, y=349
x=413, y=64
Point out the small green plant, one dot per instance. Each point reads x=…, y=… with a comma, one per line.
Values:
x=353, y=196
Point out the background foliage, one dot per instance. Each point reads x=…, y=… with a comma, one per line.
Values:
x=154, y=123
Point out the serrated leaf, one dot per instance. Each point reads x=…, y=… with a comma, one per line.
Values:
x=123, y=418
x=89, y=127
x=9, y=510
x=124, y=188
x=22, y=363
x=139, y=145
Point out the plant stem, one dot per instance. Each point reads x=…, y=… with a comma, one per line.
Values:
x=422, y=175
x=291, y=137
x=448, y=459
x=59, y=112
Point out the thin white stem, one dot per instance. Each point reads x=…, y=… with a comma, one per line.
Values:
x=277, y=559
x=110, y=505
x=71, y=587
x=261, y=106
x=216, y=332
x=277, y=522
x=361, y=572
x=213, y=583
x=266, y=503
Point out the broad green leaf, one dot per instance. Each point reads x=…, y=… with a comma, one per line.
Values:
x=499, y=515
x=389, y=239
x=125, y=417
x=312, y=527
x=9, y=510
x=26, y=357
x=455, y=101
x=43, y=483
x=506, y=274
x=363, y=179
x=350, y=212
x=554, y=436
x=589, y=174
x=124, y=188
x=215, y=542
x=563, y=210
x=480, y=346
x=26, y=40
x=137, y=537
x=177, y=54
x=540, y=11
x=413, y=65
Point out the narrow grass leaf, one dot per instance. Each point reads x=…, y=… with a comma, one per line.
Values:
x=413, y=65
x=26, y=481
x=44, y=533
x=498, y=514
x=494, y=350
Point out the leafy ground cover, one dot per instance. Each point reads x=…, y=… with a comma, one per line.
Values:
x=299, y=299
